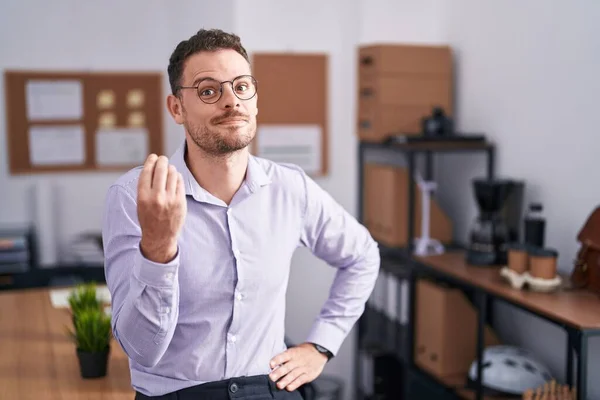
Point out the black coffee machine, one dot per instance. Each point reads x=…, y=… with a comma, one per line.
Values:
x=500, y=203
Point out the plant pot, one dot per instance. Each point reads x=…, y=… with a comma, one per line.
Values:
x=93, y=365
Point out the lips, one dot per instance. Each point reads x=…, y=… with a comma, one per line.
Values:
x=229, y=120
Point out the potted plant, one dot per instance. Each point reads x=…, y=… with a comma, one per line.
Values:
x=83, y=297
x=92, y=336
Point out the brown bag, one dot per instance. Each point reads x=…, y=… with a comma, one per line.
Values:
x=587, y=264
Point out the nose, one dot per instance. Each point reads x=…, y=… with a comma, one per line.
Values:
x=228, y=98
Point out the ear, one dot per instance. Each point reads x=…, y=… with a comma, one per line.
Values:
x=175, y=108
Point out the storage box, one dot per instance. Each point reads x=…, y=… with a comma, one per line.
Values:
x=385, y=211
x=446, y=330
x=405, y=59
x=399, y=85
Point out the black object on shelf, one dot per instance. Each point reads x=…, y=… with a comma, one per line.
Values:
x=534, y=226
x=497, y=224
x=437, y=124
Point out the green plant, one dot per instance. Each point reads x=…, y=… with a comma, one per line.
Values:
x=84, y=297
x=92, y=331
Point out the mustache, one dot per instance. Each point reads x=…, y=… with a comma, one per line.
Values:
x=228, y=115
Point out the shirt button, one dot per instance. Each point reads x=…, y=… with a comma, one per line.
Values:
x=232, y=338
x=169, y=275
x=238, y=296
x=236, y=253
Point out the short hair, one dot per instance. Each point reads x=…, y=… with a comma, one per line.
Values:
x=203, y=40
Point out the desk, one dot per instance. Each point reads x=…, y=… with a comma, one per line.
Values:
x=576, y=311
x=38, y=360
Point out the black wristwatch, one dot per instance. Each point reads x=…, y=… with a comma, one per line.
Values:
x=323, y=350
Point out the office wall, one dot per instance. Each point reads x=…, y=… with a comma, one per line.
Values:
x=70, y=34
x=527, y=76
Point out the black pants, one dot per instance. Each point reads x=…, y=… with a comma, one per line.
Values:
x=243, y=388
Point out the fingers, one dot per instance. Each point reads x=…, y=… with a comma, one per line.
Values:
x=180, y=186
x=300, y=380
x=281, y=358
x=283, y=370
x=145, y=180
x=172, y=181
x=294, y=376
x=161, y=169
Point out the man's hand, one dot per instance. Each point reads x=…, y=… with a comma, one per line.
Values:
x=297, y=366
x=161, y=208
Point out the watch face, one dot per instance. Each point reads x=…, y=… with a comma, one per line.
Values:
x=321, y=349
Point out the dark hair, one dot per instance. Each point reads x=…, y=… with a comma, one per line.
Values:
x=203, y=40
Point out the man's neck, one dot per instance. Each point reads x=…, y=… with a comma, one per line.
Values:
x=221, y=176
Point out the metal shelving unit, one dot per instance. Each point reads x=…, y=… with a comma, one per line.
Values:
x=402, y=263
x=376, y=333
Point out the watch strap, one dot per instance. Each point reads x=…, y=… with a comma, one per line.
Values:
x=323, y=350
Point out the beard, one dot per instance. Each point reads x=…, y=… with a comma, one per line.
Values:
x=223, y=140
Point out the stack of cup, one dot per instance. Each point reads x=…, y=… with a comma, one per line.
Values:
x=539, y=263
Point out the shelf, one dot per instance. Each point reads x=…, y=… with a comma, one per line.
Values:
x=431, y=145
x=575, y=308
x=378, y=334
x=458, y=384
x=396, y=265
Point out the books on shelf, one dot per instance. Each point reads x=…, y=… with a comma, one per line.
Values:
x=15, y=250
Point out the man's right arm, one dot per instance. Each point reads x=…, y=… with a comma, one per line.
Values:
x=141, y=260
x=144, y=294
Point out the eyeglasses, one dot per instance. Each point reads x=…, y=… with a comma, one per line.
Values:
x=210, y=90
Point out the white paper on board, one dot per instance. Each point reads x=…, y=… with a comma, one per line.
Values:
x=121, y=146
x=56, y=145
x=298, y=144
x=54, y=100
x=59, y=298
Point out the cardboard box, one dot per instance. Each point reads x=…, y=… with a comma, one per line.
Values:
x=392, y=58
x=399, y=85
x=375, y=124
x=385, y=211
x=446, y=330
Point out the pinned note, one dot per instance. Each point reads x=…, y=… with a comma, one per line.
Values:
x=105, y=99
x=136, y=119
x=107, y=120
x=54, y=100
x=135, y=98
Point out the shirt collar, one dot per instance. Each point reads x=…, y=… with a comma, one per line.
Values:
x=256, y=176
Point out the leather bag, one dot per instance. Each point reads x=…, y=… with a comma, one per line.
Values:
x=586, y=273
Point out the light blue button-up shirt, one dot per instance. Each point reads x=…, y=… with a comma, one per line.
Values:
x=217, y=310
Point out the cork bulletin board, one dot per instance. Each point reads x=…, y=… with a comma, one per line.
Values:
x=82, y=121
x=292, y=109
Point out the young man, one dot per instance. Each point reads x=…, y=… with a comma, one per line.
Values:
x=198, y=247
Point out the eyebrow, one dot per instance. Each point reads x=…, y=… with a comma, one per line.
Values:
x=200, y=79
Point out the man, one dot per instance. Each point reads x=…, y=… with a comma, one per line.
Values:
x=198, y=247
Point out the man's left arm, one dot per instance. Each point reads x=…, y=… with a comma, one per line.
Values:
x=336, y=237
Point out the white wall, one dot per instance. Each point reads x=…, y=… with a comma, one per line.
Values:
x=527, y=75
x=74, y=35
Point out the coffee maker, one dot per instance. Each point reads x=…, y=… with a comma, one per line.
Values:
x=500, y=203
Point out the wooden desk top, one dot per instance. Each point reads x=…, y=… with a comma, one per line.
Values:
x=578, y=308
x=38, y=359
